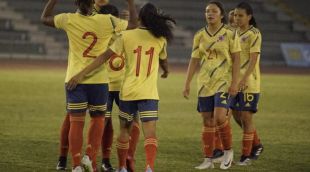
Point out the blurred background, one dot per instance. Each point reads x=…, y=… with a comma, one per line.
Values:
x=285, y=26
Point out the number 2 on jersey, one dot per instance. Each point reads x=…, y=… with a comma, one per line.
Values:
x=91, y=46
x=149, y=52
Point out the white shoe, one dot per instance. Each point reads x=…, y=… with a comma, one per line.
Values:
x=228, y=159
x=87, y=164
x=121, y=170
x=207, y=163
x=77, y=169
x=244, y=161
x=148, y=169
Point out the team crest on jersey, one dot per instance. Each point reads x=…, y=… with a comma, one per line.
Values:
x=244, y=38
x=221, y=38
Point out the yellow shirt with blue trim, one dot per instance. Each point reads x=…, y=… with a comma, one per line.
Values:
x=251, y=41
x=115, y=66
x=88, y=37
x=142, y=52
x=214, y=52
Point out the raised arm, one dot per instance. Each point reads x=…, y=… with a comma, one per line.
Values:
x=47, y=17
x=133, y=16
x=192, y=67
x=74, y=81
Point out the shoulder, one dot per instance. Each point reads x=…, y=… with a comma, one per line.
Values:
x=200, y=31
x=254, y=31
x=229, y=28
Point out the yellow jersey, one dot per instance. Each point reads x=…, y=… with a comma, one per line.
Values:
x=214, y=51
x=251, y=41
x=88, y=37
x=142, y=52
x=116, y=64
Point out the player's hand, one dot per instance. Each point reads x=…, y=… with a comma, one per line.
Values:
x=164, y=75
x=233, y=89
x=125, y=14
x=186, y=92
x=74, y=81
x=242, y=85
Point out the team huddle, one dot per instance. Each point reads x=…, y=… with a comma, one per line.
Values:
x=115, y=57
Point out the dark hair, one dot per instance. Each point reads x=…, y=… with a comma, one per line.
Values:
x=222, y=9
x=159, y=24
x=109, y=9
x=84, y=5
x=249, y=11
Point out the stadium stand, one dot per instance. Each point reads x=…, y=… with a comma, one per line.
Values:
x=23, y=36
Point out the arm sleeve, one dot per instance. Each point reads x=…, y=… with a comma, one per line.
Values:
x=163, y=53
x=255, y=43
x=195, y=49
x=119, y=24
x=61, y=21
x=118, y=45
x=234, y=42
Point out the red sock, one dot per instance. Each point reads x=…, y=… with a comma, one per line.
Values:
x=256, y=140
x=226, y=135
x=95, y=133
x=122, y=150
x=64, y=136
x=107, y=139
x=134, y=139
x=208, y=137
x=217, y=140
x=150, y=147
x=247, y=142
x=76, y=138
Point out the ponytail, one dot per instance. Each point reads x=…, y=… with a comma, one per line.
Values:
x=159, y=24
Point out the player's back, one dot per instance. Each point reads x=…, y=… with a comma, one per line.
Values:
x=142, y=51
x=88, y=38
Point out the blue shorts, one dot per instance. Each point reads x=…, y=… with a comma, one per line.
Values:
x=113, y=96
x=207, y=104
x=147, y=109
x=245, y=102
x=88, y=96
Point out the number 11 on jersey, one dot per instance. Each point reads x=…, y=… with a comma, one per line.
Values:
x=149, y=52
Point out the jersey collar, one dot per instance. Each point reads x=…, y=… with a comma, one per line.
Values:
x=215, y=32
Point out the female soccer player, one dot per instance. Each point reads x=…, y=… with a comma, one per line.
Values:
x=116, y=70
x=231, y=19
x=88, y=36
x=245, y=103
x=216, y=48
x=144, y=49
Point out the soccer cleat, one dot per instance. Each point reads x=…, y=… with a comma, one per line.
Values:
x=207, y=163
x=121, y=170
x=106, y=166
x=87, y=164
x=62, y=163
x=218, y=156
x=130, y=163
x=77, y=169
x=256, y=151
x=148, y=169
x=244, y=161
x=227, y=159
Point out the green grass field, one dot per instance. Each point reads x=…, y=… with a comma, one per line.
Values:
x=32, y=108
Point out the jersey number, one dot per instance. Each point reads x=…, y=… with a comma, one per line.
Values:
x=212, y=54
x=91, y=46
x=150, y=52
x=121, y=65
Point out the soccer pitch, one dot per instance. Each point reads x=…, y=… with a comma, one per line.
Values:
x=33, y=107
